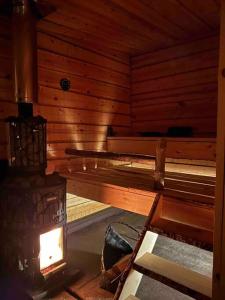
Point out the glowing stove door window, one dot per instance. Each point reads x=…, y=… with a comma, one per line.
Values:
x=51, y=247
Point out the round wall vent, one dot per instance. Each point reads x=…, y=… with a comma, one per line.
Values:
x=65, y=84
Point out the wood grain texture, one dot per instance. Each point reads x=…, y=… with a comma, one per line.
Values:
x=219, y=245
x=99, y=94
x=180, y=148
x=188, y=214
x=63, y=296
x=192, y=221
x=133, y=202
x=133, y=27
x=175, y=275
x=88, y=287
x=176, y=87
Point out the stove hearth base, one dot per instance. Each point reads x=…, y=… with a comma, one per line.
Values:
x=55, y=283
x=14, y=288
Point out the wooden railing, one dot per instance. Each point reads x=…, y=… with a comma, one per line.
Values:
x=157, y=180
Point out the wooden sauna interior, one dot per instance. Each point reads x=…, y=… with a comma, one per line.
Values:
x=136, y=70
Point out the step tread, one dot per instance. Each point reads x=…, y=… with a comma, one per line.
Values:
x=176, y=273
x=131, y=297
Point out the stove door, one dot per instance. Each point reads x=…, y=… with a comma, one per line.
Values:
x=51, y=247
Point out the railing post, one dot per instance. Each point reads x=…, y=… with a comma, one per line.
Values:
x=160, y=160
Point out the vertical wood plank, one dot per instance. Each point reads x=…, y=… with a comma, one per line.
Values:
x=160, y=160
x=219, y=233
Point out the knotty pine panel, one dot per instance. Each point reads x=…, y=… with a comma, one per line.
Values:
x=120, y=14
x=207, y=10
x=99, y=96
x=147, y=16
x=85, y=129
x=195, y=62
x=136, y=26
x=101, y=28
x=58, y=45
x=177, y=13
x=84, y=69
x=177, y=110
x=201, y=126
x=149, y=99
x=55, y=97
x=83, y=85
x=5, y=82
x=183, y=50
x=175, y=81
x=68, y=115
x=176, y=87
x=201, y=90
x=177, y=148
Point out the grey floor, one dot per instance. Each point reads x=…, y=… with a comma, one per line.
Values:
x=85, y=247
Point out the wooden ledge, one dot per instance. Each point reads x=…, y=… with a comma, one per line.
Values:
x=186, y=209
x=177, y=148
x=122, y=196
x=131, y=297
x=185, y=280
x=169, y=139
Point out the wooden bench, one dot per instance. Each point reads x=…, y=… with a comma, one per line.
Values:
x=186, y=206
x=181, y=213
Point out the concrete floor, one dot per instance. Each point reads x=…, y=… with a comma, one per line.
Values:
x=85, y=247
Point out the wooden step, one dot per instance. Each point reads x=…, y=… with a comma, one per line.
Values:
x=134, y=278
x=131, y=297
x=187, y=221
x=174, y=275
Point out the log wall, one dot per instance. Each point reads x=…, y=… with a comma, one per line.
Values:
x=176, y=87
x=98, y=97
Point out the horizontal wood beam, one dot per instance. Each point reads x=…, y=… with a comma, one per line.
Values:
x=177, y=215
x=159, y=173
x=177, y=148
x=126, y=198
x=139, y=158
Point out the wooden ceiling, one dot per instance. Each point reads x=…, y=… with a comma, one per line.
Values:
x=131, y=27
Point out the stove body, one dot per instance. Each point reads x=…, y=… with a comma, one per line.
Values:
x=33, y=206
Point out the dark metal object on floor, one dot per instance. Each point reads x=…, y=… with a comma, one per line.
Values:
x=115, y=256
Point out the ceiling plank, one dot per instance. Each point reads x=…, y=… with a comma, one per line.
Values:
x=207, y=11
x=133, y=27
x=175, y=12
x=107, y=20
x=89, y=24
x=88, y=41
x=151, y=18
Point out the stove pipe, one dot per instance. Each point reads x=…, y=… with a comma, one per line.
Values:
x=24, y=52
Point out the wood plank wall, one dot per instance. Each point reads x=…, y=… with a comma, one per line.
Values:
x=5, y=82
x=176, y=87
x=99, y=94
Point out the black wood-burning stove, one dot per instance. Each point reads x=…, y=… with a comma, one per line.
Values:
x=33, y=207
x=32, y=204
